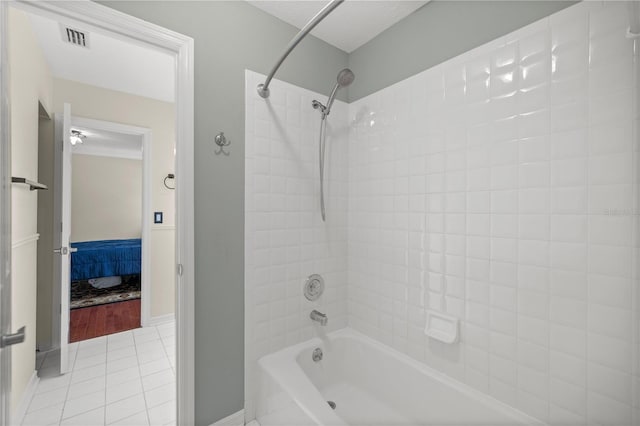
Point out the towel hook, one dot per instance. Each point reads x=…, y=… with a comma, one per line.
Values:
x=222, y=141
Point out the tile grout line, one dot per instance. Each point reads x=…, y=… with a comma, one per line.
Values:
x=144, y=395
x=64, y=403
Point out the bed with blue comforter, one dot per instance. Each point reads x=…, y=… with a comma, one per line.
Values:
x=106, y=258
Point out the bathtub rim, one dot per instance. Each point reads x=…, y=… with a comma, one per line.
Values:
x=277, y=366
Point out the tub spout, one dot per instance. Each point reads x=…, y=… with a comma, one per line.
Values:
x=318, y=317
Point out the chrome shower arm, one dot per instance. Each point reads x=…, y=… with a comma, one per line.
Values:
x=263, y=89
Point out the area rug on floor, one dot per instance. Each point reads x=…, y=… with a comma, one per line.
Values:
x=83, y=294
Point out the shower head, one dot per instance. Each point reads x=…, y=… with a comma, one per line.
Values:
x=345, y=78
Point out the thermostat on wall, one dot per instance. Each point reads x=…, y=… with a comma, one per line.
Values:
x=157, y=217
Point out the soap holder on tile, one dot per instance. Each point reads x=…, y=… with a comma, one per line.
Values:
x=442, y=327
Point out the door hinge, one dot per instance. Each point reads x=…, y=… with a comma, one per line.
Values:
x=180, y=269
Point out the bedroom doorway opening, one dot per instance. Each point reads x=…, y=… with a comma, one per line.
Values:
x=108, y=193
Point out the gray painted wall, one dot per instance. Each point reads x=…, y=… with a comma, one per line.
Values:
x=438, y=31
x=229, y=37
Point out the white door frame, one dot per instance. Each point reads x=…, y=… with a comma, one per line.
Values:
x=147, y=167
x=5, y=224
x=61, y=214
x=95, y=17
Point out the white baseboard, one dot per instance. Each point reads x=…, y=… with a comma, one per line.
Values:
x=21, y=409
x=160, y=319
x=236, y=419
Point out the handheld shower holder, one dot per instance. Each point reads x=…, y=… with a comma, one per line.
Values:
x=318, y=105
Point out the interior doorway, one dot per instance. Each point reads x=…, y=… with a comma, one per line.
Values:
x=108, y=227
x=25, y=397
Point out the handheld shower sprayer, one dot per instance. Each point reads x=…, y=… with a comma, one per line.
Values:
x=345, y=78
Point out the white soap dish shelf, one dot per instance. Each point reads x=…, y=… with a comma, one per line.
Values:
x=442, y=327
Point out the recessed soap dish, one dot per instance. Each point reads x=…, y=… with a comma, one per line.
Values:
x=442, y=327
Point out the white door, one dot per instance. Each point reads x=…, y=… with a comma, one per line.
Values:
x=63, y=250
x=5, y=247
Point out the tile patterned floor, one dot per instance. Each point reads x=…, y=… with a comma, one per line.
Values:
x=126, y=378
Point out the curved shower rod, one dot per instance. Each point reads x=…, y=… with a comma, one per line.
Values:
x=263, y=89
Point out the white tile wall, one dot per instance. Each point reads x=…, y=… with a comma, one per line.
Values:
x=285, y=238
x=501, y=187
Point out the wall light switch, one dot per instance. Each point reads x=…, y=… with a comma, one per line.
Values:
x=157, y=217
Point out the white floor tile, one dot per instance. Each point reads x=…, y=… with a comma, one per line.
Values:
x=93, y=417
x=160, y=395
x=123, y=390
x=154, y=367
x=158, y=379
x=89, y=351
x=145, y=333
x=162, y=414
x=77, y=390
x=168, y=336
x=86, y=374
x=147, y=337
x=123, y=335
x=168, y=329
x=123, y=376
x=149, y=346
x=46, y=416
x=50, y=383
x=148, y=356
x=92, y=361
x=123, y=379
x=82, y=404
x=170, y=350
x=121, y=364
x=140, y=419
x=144, y=330
x=121, y=341
x=47, y=399
x=96, y=341
x=123, y=352
x=125, y=408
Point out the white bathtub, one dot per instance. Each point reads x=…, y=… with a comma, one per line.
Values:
x=371, y=384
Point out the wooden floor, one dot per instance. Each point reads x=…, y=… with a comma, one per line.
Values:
x=95, y=321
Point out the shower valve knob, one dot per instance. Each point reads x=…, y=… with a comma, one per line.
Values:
x=313, y=287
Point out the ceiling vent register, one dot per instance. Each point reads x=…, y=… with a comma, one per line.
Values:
x=75, y=37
